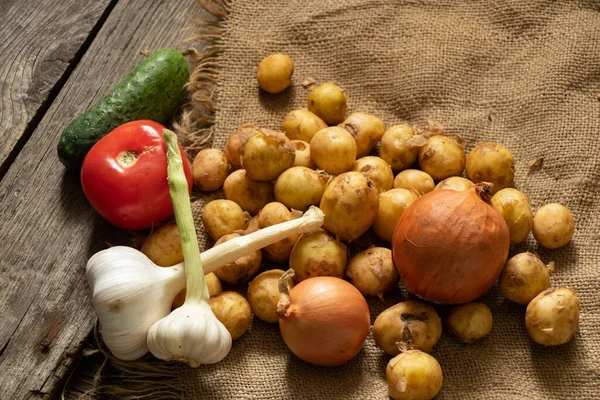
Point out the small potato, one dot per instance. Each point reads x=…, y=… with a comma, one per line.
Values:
x=493, y=163
x=372, y=272
x=442, y=158
x=455, y=183
x=241, y=270
x=392, y=205
x=209, y=170
x=415, y=181
x=263, y=295
x=396, y=147
x=333, y=150
x=214, y=289
x=302, y=151
x=328, y=102
x=366, y=129
x=524, y=276
x=350, y=205
x=222, y=217
x=233, y=310
x=376, y=170
x=302, y=125
x=413, y=375
x=412, y=323
x=553, y=226
x=274, y=73
x=516, y=211
x=250, y=195
x=300, y=187
x=552, y=317
x=469, y=322
x=267, y=156
x=163, y=246
x=234, y=148
x=318, y=254
x=271, y=214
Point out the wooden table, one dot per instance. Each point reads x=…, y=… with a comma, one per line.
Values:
x=58, y=58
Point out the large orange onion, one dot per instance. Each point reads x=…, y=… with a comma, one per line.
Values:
x=323, y=320
x=450, y=247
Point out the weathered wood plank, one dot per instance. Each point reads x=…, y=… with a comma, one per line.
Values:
x=41, y=40
x=48, y=229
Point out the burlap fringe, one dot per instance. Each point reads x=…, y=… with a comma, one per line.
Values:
x=149, y=378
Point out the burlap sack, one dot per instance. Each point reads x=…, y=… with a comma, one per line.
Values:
x=525, y=74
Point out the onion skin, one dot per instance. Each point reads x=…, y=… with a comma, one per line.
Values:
x=450, y=247
x=326, y=321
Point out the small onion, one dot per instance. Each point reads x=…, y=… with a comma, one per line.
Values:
x=323, y=320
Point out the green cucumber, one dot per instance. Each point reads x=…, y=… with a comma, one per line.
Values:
x=153, y=90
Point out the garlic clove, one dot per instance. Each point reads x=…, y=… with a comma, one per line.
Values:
x=192, y=334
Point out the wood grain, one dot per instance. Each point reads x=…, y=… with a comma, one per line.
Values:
x=48, y=229
x=40, y=41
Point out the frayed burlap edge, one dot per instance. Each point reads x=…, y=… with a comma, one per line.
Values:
x=149, y=378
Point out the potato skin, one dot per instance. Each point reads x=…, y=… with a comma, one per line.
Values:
x=302, y=151
x=377, y=170
x=163, y=246
x=366, y=129
x=222, y=217
x=350, y=204
x=552, y=317
x=392, y=205
x=414, y=180
x=455, y=183
x=469, y=322
x=413, y=375
x=234, y=148
x=553, y=226
x=372, y=271
x=328, y=102
x=491, y=162
x=396, y=149
x=318, y=254
x=266, y=156
x=250, y=195
x=524, y=276
x=442, y=158
x=413, y=323
x=333, y=150
x=271, y=214
x=241, y=270
x=302, y=125
x=300, y=187
x=274, y=73
x=209, y=169
x=263, y=295
x=233, y=310
x=516, y=211
x=214, y=289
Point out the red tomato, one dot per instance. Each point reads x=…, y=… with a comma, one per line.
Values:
x=124, y=176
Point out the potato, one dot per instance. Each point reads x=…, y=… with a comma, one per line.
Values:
x=302, y=151
x=328, y=102
x=413, y=375
x=266, y=156
x=553, y=226
x=516, y=211
x=442, y=158
x=366, y=129
x=302, y=125
x=222, y=217
x=233, y=310
x=241, y=270
x=552, y=317
x=524, y=276
x=413, y=324
x=163, y=246
x=377, y=170
x=214, y=289
x=414, y=180
x=372, y=272
x=493, y=163
x=455, y=183
x=392, y=205
x=271, y=214
x=263, y=295
x=350, y=205
x=209, y=170
x=469, y=322
x=318, y=254
x=274, y=73
x=250, y=195
x=234, y=148
x=396, y=148
x=300, y=187
x=333, y=150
